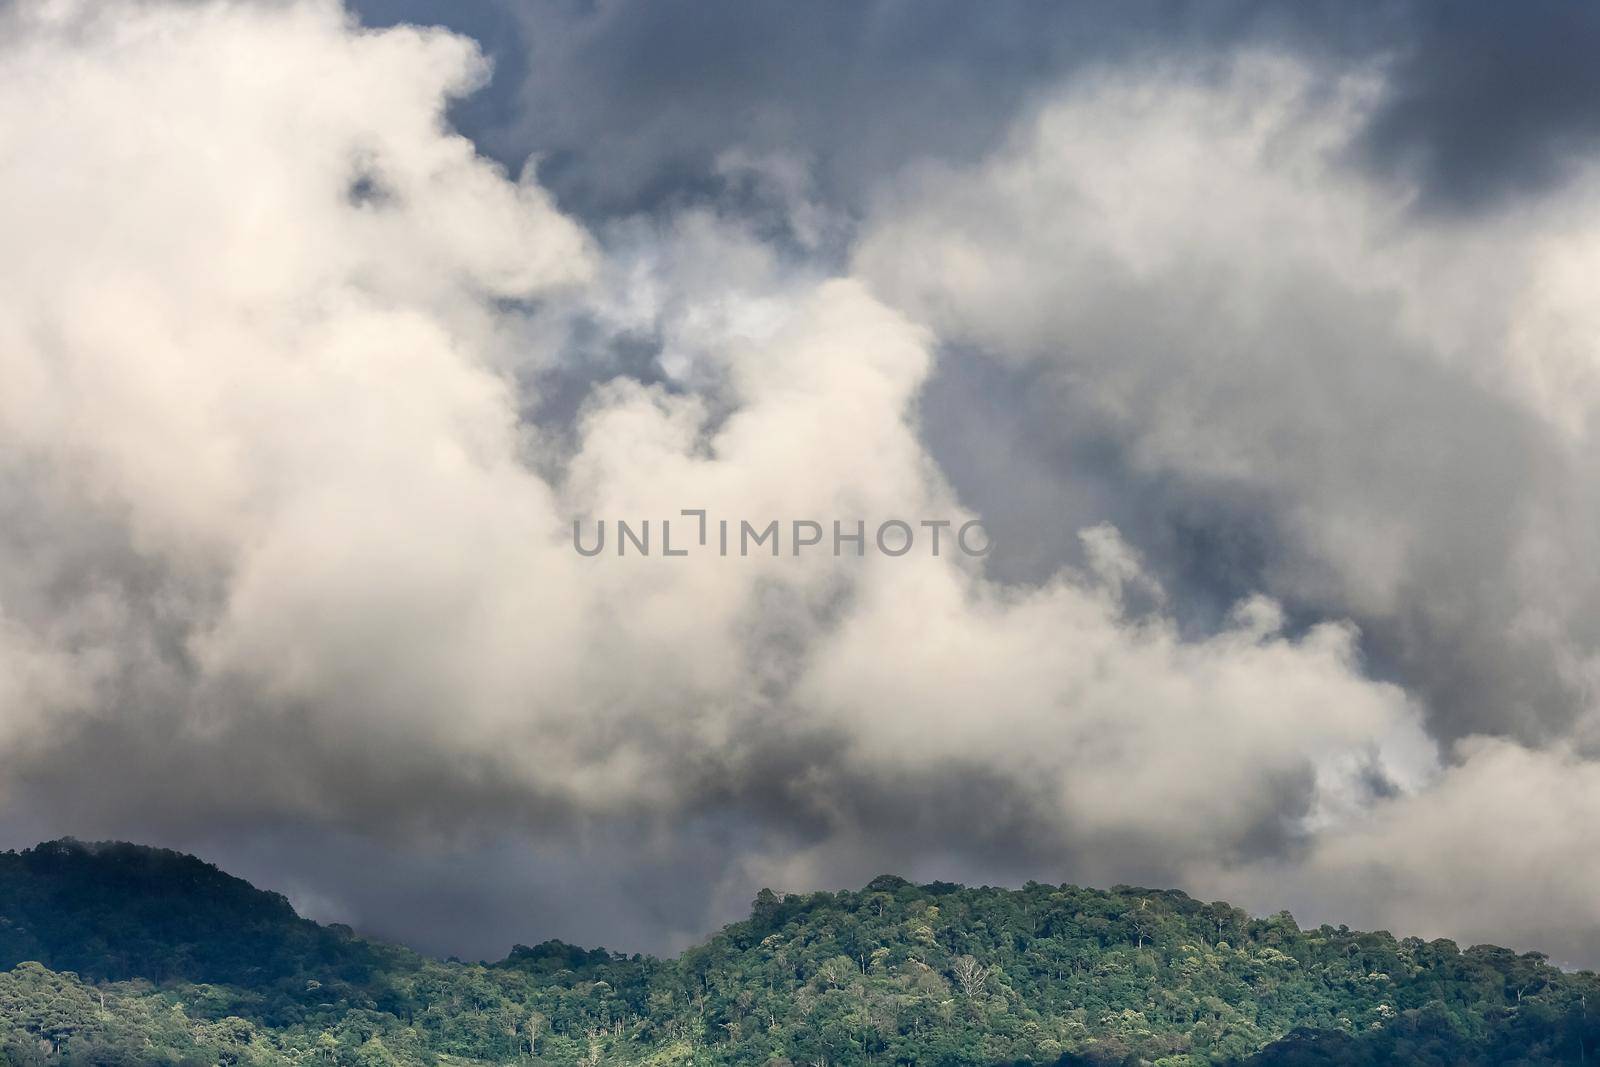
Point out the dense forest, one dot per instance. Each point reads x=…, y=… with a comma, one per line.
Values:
x=119, y=954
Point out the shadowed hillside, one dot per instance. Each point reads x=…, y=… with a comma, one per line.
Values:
x=117, y=911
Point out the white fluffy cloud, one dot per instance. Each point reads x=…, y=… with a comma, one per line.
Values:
x=285, y=543
x=1189, y=257
x=1190, y=260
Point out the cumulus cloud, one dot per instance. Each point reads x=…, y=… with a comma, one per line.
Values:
x=1189, y=268
x=304, y=395
x=1187, y=265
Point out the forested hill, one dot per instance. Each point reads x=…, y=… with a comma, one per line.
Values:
x=118, y=911
x=117, y=954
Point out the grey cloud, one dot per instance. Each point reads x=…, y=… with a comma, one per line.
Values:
x=1488, y=100
x=630, y=105
x=1382, y=429
x=1395, y=482
x=1038, y=463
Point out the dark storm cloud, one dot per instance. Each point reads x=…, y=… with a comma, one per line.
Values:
x=1487, y=100
x=632, y=884
x=1038, y=465
x=630, y=104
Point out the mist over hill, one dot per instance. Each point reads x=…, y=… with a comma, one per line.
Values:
x=121, y=954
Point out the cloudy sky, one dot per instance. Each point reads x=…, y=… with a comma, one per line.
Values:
x=1261, y=337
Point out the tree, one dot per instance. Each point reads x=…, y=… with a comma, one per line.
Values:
x=970, y=975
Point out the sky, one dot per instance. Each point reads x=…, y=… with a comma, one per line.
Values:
x=1259, y=337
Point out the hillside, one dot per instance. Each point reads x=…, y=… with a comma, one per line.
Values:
x=120, y=954
x=115, y=911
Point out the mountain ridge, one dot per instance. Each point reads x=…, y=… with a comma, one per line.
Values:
x=118, y=953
